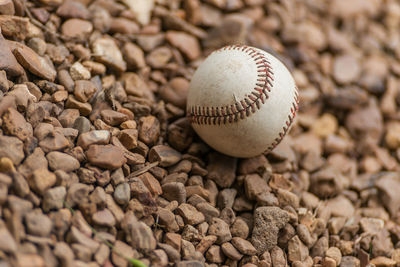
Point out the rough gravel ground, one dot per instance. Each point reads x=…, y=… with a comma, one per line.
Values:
x=94, y=139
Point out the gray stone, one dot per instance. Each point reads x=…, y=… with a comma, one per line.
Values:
x=267, y=223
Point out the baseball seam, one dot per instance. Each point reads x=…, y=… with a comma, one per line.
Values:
x=250, y=104
x=288, y=123
x=245, y=107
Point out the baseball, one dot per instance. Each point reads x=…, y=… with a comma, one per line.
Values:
x=242, y=101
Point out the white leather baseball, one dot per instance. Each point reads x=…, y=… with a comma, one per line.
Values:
x=242, y=101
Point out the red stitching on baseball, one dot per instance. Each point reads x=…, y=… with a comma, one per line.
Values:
x=289, y=122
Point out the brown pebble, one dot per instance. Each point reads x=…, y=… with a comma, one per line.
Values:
x=35, y=63
x=15, y=124
x=186, y=43
x=190, y=214
x=106, y=156
x=149, y=130
x=165, y=155
x=230, y=251
x=76, y=28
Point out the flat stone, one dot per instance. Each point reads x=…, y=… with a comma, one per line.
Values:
x=215, y=255
x=167, y=219
x=381, y=243
x=79, y=72
x=7, y=242
x=159, y=57
x=240, y=228
x=64, y=252
x=7, y=7
x=53, y=199
x=335, y=254
x=124, y=26
x=205, y=243
x=142, y=9
x=64, y=78
x=106, y=156
x=388, y=185
x=233, y=29
x=344, y=10
x=190, y=214
x=297, y=251
x=54, y=141
x=12, y=148
x=255, y=185
x=230, y=251
x=372, y=225
x=38, y=45
x=178, y=23
x=114, y=208
x=125, y=250
x=187, y=44
x=208, y=210
x=392, y=137
x=149, y=130
x=84, y=90
x=14, y=26
x=38, y=224
x=76, y=28
x=383, y=261
x=122, y=193
x=142, y=236
x=174, y=240
x=220, y=229
x=243, y=246
x=82, y=124
x=174, y=191
x=75, y=235
x=73, y=9
x=106, y=51
x=9, y=62
x=350, y=261
x=4, y=84
x=68, y=116
x=340, y=206
x=62, y=161
x=133, y=55
x=175, y=92
x=96, y=137
x=41, y=180
x=57, y=53
x=59, y=96
x=15, y=124
x=346, y=69
x=26, y=259
x=95, y=68
x=6, y=165
x=34, y=63
x=159, y=257
x=165, y=155
x=104, y=218
x=173, y=254
x=151, y=183
x=112, y=117
x=222, y=169
x=150, y=41
x=129, y=138
x=188, y=250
